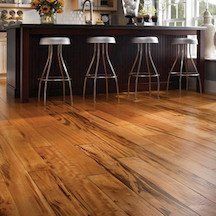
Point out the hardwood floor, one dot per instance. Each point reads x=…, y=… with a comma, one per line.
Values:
x=149, y=157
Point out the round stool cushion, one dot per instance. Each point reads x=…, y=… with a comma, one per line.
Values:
x=184, y=41
x=145, y=40
x=55, y=41
x=101, y=40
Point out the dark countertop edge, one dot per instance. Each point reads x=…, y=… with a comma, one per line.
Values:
x=212, y=59
x=3, y=31
x=59, y=26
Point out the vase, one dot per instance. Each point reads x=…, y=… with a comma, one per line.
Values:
x=210, y=49
x=130, y=8
x=48, y=18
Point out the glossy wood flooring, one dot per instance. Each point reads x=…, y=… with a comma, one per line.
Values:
x=149, y=157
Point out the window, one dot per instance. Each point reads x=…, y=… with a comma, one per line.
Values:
x=184, y=12
x=200, y=7
x=174, y=13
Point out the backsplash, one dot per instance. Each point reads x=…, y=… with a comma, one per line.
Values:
x=30, y=16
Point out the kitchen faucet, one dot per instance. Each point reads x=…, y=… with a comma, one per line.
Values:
x=89, y=22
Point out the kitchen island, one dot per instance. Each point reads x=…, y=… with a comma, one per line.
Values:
x=26, y=58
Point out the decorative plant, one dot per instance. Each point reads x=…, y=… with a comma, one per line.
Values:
x=48, y=7
x=142, y=11
x=147, y=12
x=152, y=10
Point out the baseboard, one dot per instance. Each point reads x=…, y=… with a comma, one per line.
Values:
x=210, y=86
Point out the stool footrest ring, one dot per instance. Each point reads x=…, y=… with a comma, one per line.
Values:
x=55, y=79
x=100, y=76
x=144, y=75
x=189, y=74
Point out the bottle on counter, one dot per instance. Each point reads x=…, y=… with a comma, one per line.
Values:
x=210, y=50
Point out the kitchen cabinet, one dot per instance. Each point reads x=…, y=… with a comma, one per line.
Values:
x=15, y=6
x=99, y=5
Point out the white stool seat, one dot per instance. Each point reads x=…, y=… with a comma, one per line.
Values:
x=101, y=40
x=145, y=40
x=184, y=41
x=55, y=41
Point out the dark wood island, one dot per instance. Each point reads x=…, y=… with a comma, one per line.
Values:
x=26, y=58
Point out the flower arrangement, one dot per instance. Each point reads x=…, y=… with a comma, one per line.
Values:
x=48, y=8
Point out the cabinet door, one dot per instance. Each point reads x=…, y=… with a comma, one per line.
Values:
x=107, y=5
x=78, y=4
x=99, y=5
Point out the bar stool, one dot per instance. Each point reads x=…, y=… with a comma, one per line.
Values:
x=64, y=76
x=144, y=42
x=182, y=50
x=101, y=48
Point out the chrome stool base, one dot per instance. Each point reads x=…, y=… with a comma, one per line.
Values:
x=45, y=77
x=100, y=50
x=138, y=74
x=182, y=50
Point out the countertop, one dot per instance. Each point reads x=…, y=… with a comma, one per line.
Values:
x=59, y=26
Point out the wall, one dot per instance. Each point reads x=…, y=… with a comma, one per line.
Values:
x=118, y=17
x=67, y=17
x=3, y=42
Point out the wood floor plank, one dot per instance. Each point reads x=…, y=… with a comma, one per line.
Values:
x=171, y=186
x=27, y=198
x=91, y=197
x=71, y=152
x=156, y=196
x=126, y=199
x=139, y=137
x=21, y=146
x=145, y=157
x=179, y=173
x=7, y=205
x=58, y=197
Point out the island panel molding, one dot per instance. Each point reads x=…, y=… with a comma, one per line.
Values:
x=26, y=58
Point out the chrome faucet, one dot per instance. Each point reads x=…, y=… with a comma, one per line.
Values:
x=89, y=22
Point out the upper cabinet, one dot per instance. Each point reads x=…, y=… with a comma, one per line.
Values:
x=99, y=5
x=15, y=6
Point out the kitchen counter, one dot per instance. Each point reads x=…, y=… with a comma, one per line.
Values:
x=26, y=58
x=63, y=26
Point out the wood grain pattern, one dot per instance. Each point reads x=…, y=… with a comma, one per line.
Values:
x=149, y=157
x=7, y=205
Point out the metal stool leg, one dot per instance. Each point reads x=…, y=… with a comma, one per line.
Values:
x=199, y=79
x=138, y=70
x=96, y=72
x=132, y=69
x=47, y=75
x=174, y=64
x=89, y=69
x=186, y=69
x=148, y=66
x=67, y=75
x=105, y=70
x=61, y=70
x=112, y=69
x=181, y=69
x=155, y=70
x=44, y=72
